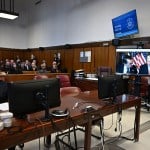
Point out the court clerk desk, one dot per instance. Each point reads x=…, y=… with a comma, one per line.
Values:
x=24, y=130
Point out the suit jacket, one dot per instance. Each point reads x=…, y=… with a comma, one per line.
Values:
x=143, y=69
x=15, y=71
x=29, y=68
x=120, y=69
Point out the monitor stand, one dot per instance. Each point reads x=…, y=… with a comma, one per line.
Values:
x=137, y=85
x=114, y=86
x=42, y=98
x=47, y=116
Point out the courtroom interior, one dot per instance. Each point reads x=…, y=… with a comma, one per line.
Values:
x=74, y=74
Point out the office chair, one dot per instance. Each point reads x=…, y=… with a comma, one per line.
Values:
x=104, y=70
x=69, y=91
x=64, y=80
x=65, y=86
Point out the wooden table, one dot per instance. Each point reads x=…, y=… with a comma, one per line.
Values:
x=26, y=130
x=86, y=84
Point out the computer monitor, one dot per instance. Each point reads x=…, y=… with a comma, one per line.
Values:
x=3, y=92
x=31, y=96
x=110, y=86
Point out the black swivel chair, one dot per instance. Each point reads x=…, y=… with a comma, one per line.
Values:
x=104, y=70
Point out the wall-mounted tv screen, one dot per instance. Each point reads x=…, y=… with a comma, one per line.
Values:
x=133, y=61
x=125, y=24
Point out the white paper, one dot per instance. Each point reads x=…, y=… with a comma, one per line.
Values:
x=4, y=106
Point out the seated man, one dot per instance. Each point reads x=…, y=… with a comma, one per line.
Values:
x=43, y=68
x=127, y=66
x=33, y=66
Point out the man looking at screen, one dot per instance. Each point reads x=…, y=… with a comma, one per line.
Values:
x=127, y=67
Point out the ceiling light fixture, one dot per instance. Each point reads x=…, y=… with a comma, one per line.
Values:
x=8, y=14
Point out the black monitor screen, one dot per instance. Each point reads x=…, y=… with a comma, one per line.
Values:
x=3, y=92
x=33, y=95
x=110, y=86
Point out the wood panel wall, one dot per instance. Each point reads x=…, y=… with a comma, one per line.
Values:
x=101, y=54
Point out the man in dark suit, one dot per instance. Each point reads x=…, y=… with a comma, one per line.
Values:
x=27, y=66
x=127, y=67
x=14, y=69
x=145, y=69
x=54, y=68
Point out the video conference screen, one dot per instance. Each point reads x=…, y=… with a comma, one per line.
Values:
x=133, y=61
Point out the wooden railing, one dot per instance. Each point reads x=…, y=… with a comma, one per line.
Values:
x=19, y=77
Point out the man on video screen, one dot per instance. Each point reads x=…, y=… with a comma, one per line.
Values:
x=127, y=66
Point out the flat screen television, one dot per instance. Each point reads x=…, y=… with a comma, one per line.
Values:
x=133, y=61
x=31, y=96
x=110, y=86
x=125, y=24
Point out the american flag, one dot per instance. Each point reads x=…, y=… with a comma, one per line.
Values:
x=139, y=59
